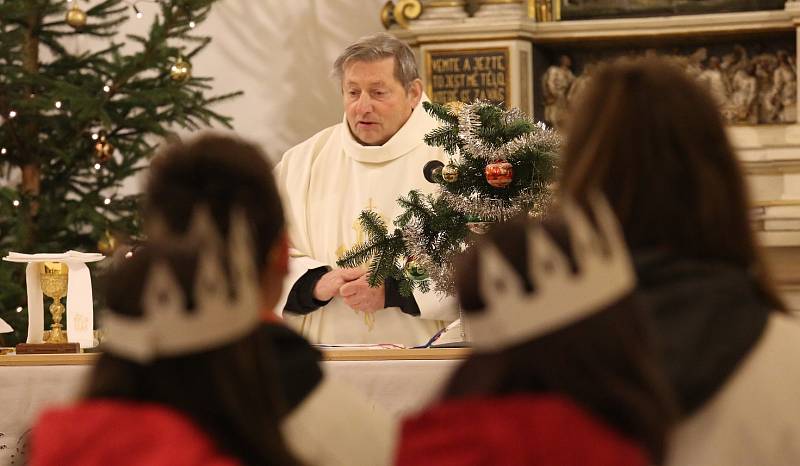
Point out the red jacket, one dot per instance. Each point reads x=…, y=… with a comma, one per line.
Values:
x=516, y=430
x=104, y=432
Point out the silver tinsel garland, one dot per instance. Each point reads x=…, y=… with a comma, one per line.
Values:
x=469, y=123
x=513, y=115
x=542, y=138
x=441, y=274
x=490, y=209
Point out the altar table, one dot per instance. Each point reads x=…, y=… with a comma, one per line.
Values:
x=401, y=381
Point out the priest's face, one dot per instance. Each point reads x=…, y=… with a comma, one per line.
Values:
x=375, y=102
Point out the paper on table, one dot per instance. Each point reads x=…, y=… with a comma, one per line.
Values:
x=361, y=345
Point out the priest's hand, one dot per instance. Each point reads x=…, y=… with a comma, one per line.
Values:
x=329, y=284
x=361, y=297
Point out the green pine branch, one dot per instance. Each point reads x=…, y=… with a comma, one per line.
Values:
x=440, y=112
x=414, y=205
x=445, y=137
x=381, y=249
x=516, y=129
x=373, y=224
x=384, y=263
x=378, y=239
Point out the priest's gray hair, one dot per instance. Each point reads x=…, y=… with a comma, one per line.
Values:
x=377, y=47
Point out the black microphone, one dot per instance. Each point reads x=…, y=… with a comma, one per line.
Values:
x=433, y=171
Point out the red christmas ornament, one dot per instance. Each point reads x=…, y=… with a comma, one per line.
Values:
x=499, y=174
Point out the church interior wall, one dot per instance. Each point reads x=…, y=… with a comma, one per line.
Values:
x=744, y=51
x=280, y=53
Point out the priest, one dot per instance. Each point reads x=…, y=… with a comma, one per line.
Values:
x=365, y=162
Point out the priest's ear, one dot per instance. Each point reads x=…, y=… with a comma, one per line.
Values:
x=277, y=266
x=414, y=92
x=278, y=260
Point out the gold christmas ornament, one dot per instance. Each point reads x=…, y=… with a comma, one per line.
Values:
x=107, y=244
x=450, y=173
x=103, y=150
x=76, y=17
x=414, y=272
x=454, y=106
x=181, y=70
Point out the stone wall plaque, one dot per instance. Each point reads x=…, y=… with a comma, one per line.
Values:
x=468, y=75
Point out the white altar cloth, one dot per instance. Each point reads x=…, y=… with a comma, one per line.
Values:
x=399, y=385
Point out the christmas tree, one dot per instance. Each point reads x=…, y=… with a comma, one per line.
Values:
x=75, y=124
x=501, y=164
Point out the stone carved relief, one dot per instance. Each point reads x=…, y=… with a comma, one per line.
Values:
x=757, y=89
x=556, y=84
x=592, y=9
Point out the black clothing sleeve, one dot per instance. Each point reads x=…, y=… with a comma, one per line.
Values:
x=393, y=298
x=298, y=363
x=301, y=297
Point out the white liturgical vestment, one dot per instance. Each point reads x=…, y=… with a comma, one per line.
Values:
x=326, y=182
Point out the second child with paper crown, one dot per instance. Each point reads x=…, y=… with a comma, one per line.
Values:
x=562, y=372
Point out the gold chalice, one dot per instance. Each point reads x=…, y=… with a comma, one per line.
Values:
x=53, y=276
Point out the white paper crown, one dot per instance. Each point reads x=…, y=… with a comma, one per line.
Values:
x=224, y=309
x=561, y=296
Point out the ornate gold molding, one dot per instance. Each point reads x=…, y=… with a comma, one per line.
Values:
x=471, y=6
x=452, y=3
x=445, y=3
x=544, y=10
x=400, y=12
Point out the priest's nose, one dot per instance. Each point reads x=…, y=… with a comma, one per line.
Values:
x=364, y=104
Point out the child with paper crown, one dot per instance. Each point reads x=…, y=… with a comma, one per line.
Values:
x=196, y=369
x=653, y=141
x=562, y=373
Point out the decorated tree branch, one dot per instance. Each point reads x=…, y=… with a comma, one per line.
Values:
x=501, y=164
x=75, y=124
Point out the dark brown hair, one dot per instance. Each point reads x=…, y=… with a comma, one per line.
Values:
x=605, y=362
x=220, y=172
x=653, y=141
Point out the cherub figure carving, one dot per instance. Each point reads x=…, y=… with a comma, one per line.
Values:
x=556, y=83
